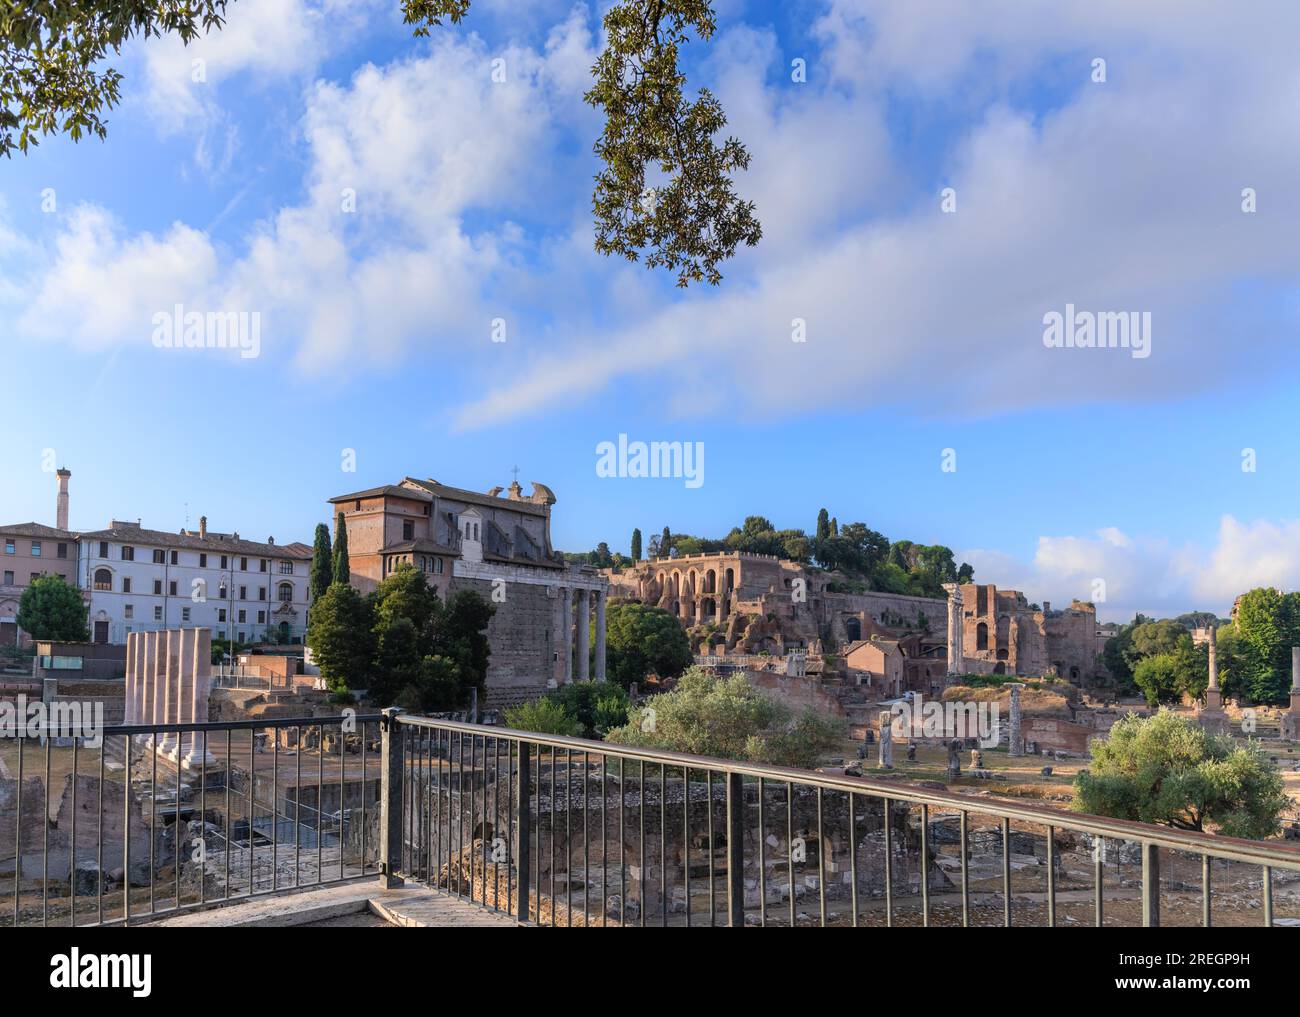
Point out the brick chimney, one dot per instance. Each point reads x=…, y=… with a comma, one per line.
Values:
x=61, y=504
x=203, y=526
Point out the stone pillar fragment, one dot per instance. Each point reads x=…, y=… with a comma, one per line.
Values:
x=886, y=757
x=1291, y=719
x=584, y=635
x=956, y=652
x=1016, y=743
x=600, y=635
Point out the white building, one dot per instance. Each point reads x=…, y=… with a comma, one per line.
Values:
x=143, y=580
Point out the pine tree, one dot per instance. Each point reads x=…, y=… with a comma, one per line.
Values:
x=636, y=545
x=342, y=570
x=322, y=565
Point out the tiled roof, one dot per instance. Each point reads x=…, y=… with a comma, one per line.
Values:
x=219, y=543
x=36, y=530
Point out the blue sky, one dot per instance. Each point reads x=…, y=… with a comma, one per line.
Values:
x=472, y=203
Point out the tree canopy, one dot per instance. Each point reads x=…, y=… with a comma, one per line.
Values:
x=730, y=719
x=664, y=192
x=402, y=643
x=1167, y=769
x=640, y=639
x=52, y=609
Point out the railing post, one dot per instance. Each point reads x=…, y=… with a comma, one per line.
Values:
x=390, y=800
x=1150, y=886
x=525, y=831
x=736, y=850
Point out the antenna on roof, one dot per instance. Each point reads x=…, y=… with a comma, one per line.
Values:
x=515, y=471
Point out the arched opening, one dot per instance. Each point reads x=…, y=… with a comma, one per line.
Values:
x=981, y=636
x=286, y=593
x=103, y=579
x=853, y=629
x=1000, y=669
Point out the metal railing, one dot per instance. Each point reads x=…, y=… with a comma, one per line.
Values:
x=162, y=819
x=564, y=831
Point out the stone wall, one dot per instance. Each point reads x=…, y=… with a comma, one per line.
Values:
x=523, y=641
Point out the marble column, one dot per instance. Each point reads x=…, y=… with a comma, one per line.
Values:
x=1015, y=744
x=886, y=757
x=956, y=652
x=1211, y=715
x=566, y=635
x=1212, y=647
x=197, y=676
x=584, y=635
x=600, y=635
x=131, y=701
x=148, y=663
x=169, y=666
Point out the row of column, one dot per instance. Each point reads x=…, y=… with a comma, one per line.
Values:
x=168, y=678
x=566, y=630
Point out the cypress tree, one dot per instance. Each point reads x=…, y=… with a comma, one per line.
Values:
x=823, y=525
x=636, y=545
x=665, y=543
x=342, y=571
x=322, y=565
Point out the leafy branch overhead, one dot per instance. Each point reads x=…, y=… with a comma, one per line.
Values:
x=664, y=193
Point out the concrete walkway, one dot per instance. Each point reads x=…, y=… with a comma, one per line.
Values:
x=411, y=906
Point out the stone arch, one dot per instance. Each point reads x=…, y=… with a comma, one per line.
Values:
x=853, y=629
x=711, y=581
x=982, y=636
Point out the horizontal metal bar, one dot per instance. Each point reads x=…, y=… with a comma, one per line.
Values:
x=1231, y=848
x=234, y=725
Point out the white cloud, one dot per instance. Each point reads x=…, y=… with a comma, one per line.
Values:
x=1150, y=575
x=1125, y=197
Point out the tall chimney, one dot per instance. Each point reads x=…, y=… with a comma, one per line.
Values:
x=61, y=506
x=203, y=526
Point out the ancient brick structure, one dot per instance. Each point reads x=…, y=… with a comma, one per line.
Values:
x=1002, y=633
x=499, y=547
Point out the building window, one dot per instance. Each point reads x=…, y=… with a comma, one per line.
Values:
x=243, y=617
x=129, y=611
x=437, y=566
x=126, y=584
x=243, y=564
x=62, y=551
x=10, y=548
x=221, y=614
x=286, y=593
x=176, y=557
x=103, y=579
x=358, y=506
x=171, y=588
x=243, y=593
x=35, y=576
x=157, y=613
x=224, y=561
x=157, y=587
x=203, y=561
x=185, y=614
x=36, y=548
x=408, y=529
x=264, y=564
x=261, y=617
x=128, y=553
x=261, y=593
x=9, y=579
x=159, y=556
x=103, y=548
x=286, y=568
